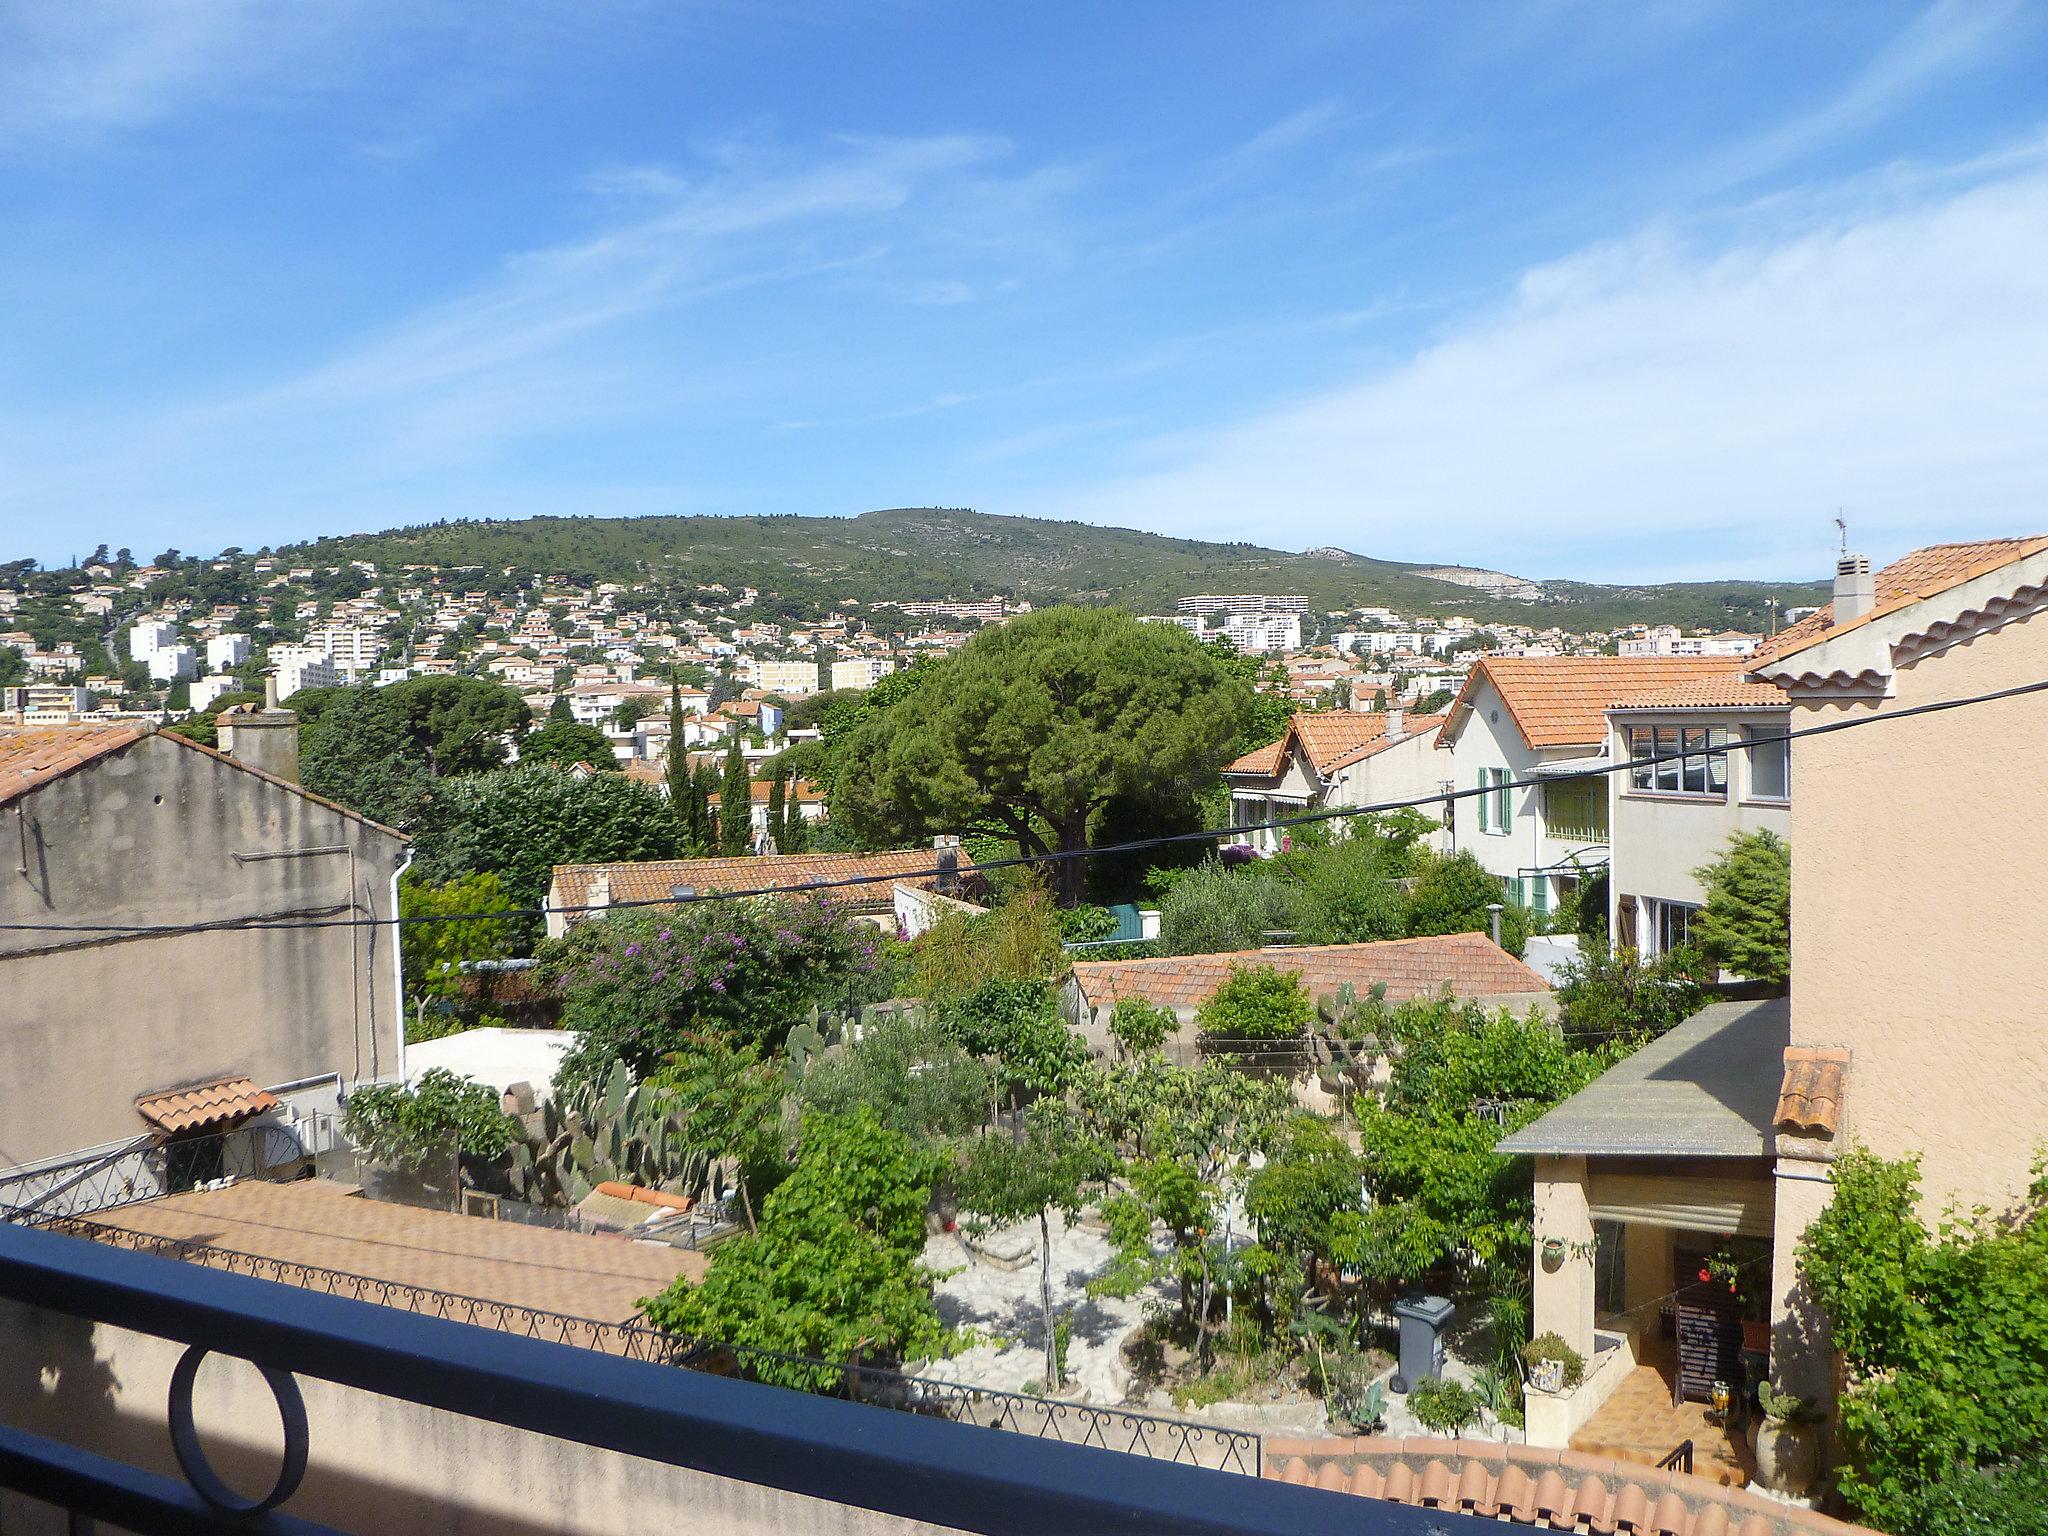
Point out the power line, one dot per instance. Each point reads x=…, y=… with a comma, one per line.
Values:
x=1441, y=797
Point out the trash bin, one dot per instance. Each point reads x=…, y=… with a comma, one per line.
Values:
x=1423, y=1319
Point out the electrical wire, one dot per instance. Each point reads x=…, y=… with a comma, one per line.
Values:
x=1442, y=797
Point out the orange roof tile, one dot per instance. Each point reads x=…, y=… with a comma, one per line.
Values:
x=32, y=756
x=1561, y=701
x=216, y=1103
x=1733, y=691
x=1921, y=574
x=656, y=881
x=1521, y=1485
x=1469, y=963
x=1810, y=1096
x=1331, y=739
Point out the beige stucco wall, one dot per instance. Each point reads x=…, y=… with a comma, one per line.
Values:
x=1917, y=930
x=376, y=1464
x=146, y=836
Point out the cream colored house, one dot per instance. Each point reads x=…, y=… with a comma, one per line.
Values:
x=1914, y=1021
x=1331, y=758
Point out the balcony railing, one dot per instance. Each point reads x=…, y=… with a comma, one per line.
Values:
x=716, y=1432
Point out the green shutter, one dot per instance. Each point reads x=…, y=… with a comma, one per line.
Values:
x=1485, y=799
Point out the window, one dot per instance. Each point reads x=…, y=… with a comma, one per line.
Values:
x=1674, y=925
x=1696, y=759
x=1496, y=812
x=1576, y=810
x=1770, y=766
x=1536, y=893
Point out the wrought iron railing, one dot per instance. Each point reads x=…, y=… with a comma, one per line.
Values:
x=1678, y=1458
x=1131, y=1431
x=150, y=1167
x=903, y=1465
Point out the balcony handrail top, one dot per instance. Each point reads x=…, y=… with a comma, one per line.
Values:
x=900, y=1464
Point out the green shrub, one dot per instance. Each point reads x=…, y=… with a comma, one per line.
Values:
x=1257, y=1002
x=1442, y=1407
x=1138, y=1026
x=1451, y=895
x=1213, y=908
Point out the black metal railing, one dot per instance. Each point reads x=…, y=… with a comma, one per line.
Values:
x=904, y=1465
x=1678, y=1458
x=150, y=1167
x=1130, y=1431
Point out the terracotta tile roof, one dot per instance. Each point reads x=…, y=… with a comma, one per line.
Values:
x=879, y=874
x=1730, y=692
x=1469, y=963
x=1921, y=574
x=32, y=756
x=216, y=1103
x=1331, y=739
x=799, y=791
x=1810, y=1098
x=1526, y=1485
x=1561, y=701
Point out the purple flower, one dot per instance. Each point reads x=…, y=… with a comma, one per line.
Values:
x=666, y=935
x=632, y=950
x=717, y=985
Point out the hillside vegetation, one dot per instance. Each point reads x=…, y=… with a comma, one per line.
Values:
x=909, y=552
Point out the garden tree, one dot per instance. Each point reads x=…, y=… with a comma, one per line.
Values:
x=1461, y=1079
x=457, y=724
x=1256, y=1003
x=703, y=815
x=13, y=667
x=1451, y=895
x=729, y=1103
x=561, y=709
x=439, y=1116
x=1139, y=1027
x=565, y=743
x=353, y=749
x=907, y=1070
x=1019, y=939
x=639, y=983
x=520, y=822
x=1348, y=895
x=1037, y=725
x=1945, y=1341
x=735, y=802
x=1306, y=1204
x=1213, y=907
x=1621, y=996
x=432, y=952
x=1746, y=925
x=1044, y=1170
x=1015, y=1023
x=832, y=1274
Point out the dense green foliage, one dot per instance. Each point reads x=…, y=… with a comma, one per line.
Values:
x=907, y=1069
x=1256, y=1002
x=934, y=551
x=1746, y=925
x=1037, y=726
x=832, y=1273
x=382, y=751
x=1018, y=939
x=729, y=1105
x=1945, y=1340
x=1442, y=1406
x=423, y=1126
x=1138, y=1026
x=565, y=743
x=1451, y=895
x=433, y=952
x=1215, y=908
x=638, y=984
x=1619, y=995
x=1015, y=1023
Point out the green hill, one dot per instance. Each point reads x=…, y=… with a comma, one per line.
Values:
x=909, y=552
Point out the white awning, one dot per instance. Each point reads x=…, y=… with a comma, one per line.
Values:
x=1564, y=767
x=1731, y=1207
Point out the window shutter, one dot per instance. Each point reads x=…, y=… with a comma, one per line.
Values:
x=1485, y=800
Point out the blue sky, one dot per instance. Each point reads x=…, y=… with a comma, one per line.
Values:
x=1614, y=291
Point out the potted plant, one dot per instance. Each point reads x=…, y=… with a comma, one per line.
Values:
x=1741, y=1275
x=1554, y=1366
x=1787, y=1443
x=1553, y=1250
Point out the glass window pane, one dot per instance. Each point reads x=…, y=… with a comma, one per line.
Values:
x=1641, y=744
x=1695, y=776
x=1769, y=767
x=1667, y=746
x=1717, y=765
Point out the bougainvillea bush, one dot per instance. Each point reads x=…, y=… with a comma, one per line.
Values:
x=636, y=984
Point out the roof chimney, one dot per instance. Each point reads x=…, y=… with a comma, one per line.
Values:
x=1855, y=588
x=266, y=739
x=946, y=855
x=1396, y=716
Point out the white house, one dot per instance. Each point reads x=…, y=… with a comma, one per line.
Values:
x=1527, y=718
x=1328, y=759
x=1666, y=819
x=226, y=652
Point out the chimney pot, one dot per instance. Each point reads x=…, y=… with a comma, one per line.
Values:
x=946, y=855
x=1396, y=715
x=1855, y=589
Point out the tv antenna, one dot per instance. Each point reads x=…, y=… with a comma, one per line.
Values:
x=1842, y=527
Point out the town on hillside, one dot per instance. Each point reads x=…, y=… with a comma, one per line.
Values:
x=1462, y=1064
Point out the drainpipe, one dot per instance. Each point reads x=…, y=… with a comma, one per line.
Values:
x=398, y=961
x=1493, y=911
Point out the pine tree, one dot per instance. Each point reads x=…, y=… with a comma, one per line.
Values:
x=735, y=802
x=1746, y=925
x=559, y=710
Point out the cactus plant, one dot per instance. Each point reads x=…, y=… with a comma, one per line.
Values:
x=614, y=1130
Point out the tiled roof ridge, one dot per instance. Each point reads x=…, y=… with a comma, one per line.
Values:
x=1269, y=950
x=1811, y=1092
x=1529, y=1485
x=1513, y=676
x=1470, y=965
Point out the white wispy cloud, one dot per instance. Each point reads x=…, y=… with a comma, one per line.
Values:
x=1648, y=392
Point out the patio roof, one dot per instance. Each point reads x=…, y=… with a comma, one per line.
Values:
x=1709, y=1088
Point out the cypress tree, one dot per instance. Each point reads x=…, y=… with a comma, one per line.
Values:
x=679, y=766
x=778, y=822
x=735, y=802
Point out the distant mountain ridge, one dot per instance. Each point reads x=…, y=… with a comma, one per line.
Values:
x=910, y=552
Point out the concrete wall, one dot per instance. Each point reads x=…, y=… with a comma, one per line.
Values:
x=146, y=836
x=376, y=1464
x=1916, y=919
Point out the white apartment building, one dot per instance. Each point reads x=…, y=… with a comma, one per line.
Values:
x=988, y=610
x=301, y=666
x=1240, y=604
x=1263, y=635
x=1524, y=730
x=860, y=671
x=171, y=663
x=1670, y=818
x=226, y=652
x=149, y=637
x=1666, y=640
x=44, y=702
x=353, y=651
x=206, y=689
